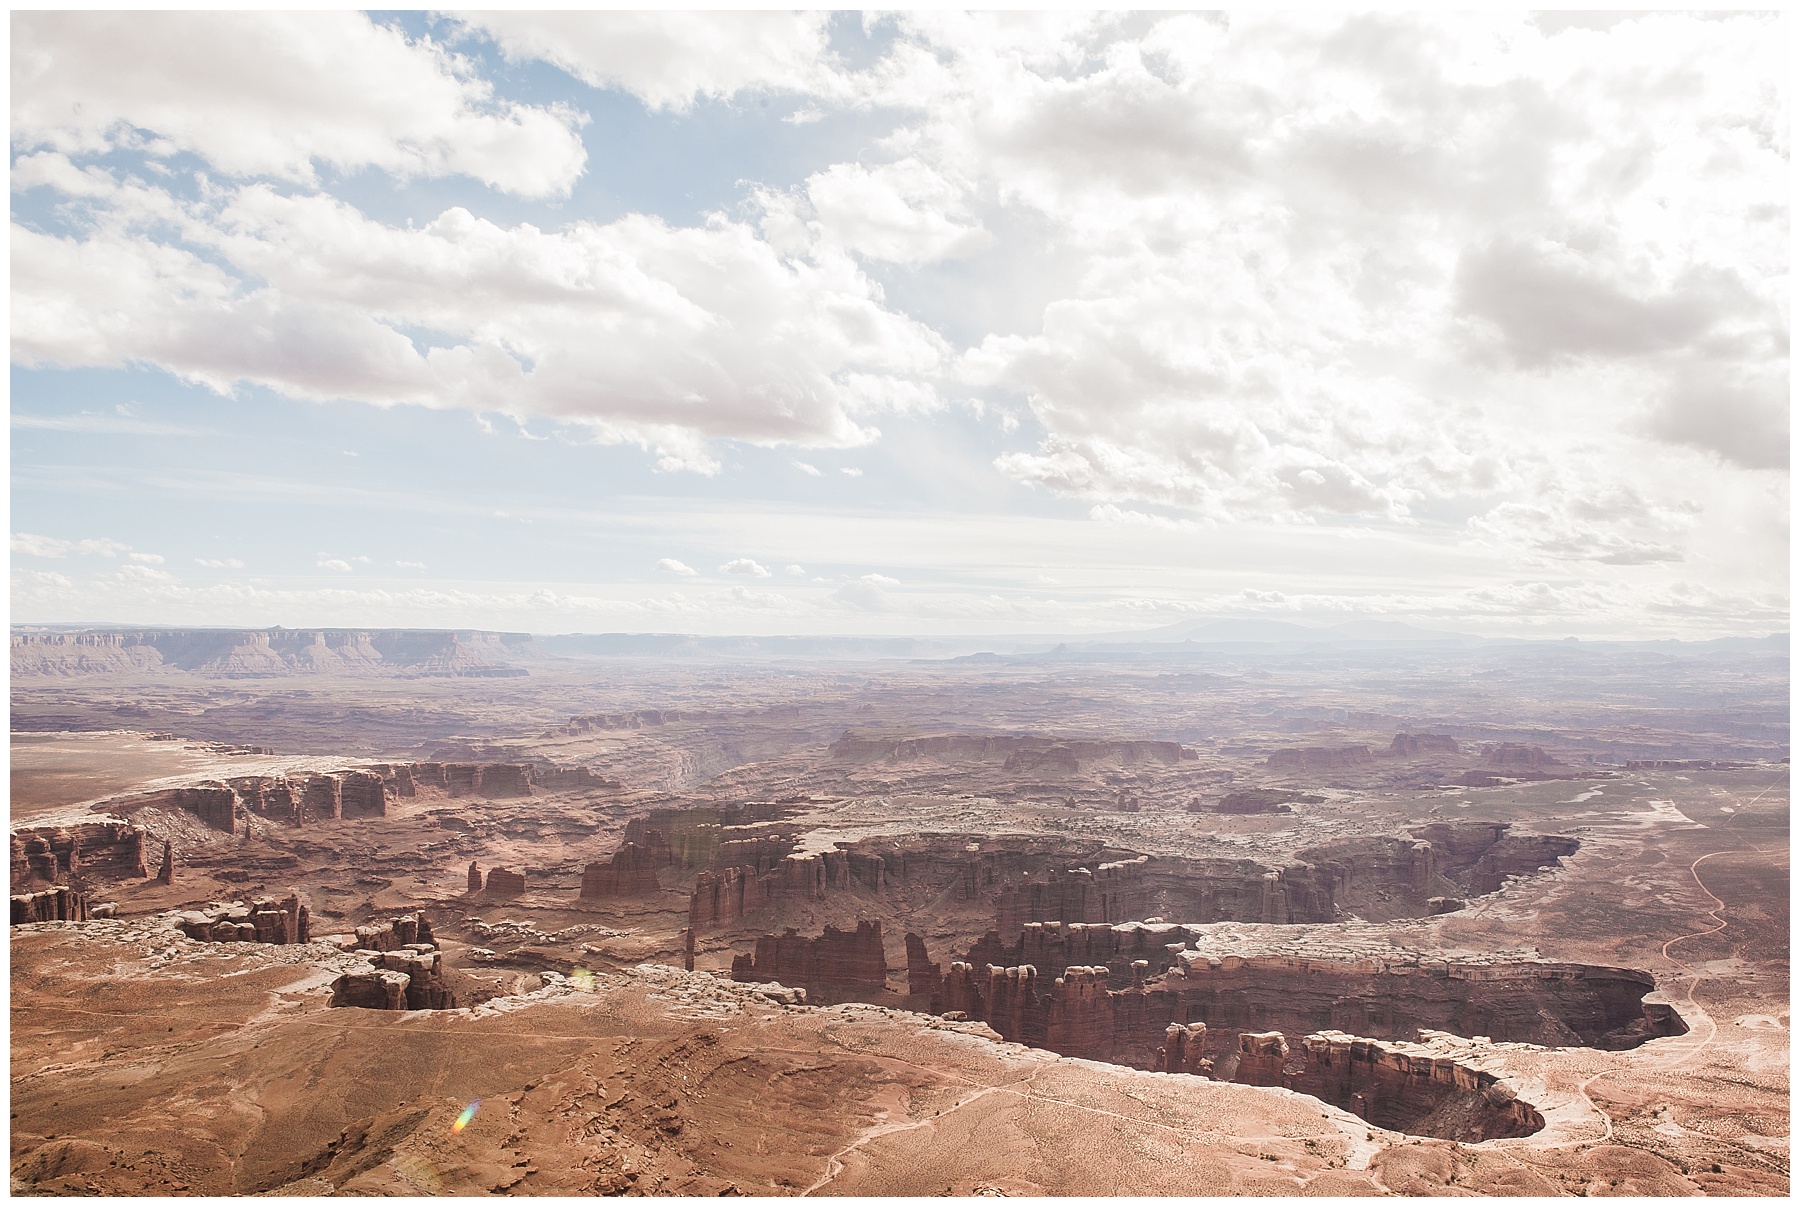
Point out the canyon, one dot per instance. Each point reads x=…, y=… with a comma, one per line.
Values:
x=893, y=911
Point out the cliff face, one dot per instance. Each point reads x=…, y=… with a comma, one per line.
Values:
x=58, y=904
x=1420, y=1088
x=631, y=872
x=46, y=854
x=1517, y=1001
x=837, y=966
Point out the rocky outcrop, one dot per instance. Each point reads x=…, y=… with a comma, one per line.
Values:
x=502, y=882
x=58, y=904
x=264, y=920
x=1184, y=1050
x=1262, y=800
x=1260, y=1057
x=837, y=966
x=1422, y=745
x=1320, y=758
x=405, y=967
x=631, y=872
x=474, y=877
x=166, y=873
x=104, y=849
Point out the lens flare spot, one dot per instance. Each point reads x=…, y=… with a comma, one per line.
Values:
x=468, y=1113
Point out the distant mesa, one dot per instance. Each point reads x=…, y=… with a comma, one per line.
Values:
x=1023, y=753
x=1511, y=754
x=1419, y=745
x=1320, y=758
x=272, y=653
x=1259, y=800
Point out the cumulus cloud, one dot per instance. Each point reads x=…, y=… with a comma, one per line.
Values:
x=669, y=60
x=811, y=471
x=745, y=566
x=795, y=571
x=335, y=563
x=1373, y=266
x=642, y=332
x=866, y=594
x=214, y=563
x=274, y=94
x=902, y=213
x=403, y=565
x=669, y=565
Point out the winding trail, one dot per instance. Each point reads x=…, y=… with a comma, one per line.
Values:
x=1694, y=977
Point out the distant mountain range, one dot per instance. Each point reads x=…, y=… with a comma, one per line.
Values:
x=54, y=651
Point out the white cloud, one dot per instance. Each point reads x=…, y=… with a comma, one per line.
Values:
x=669, y=60
x=903, y=212
x=335, y=563
x=229, y=563
x=669, y=565
x=271, y=94
x=866, y=594
x=744, y=565
x=152, y=558
x=641, y=332
x=32, y=545
x=851, y=472
x=803, y=467
x=795, y=571
x=410, y=565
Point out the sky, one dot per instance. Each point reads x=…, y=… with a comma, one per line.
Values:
x=921, y=323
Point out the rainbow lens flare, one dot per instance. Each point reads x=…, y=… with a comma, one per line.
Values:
x=468, y=1113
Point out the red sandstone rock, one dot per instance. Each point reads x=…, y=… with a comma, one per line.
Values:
x=1184, y=1050
x=1261, y=1056
x=474, y=876
x=838, y=965
x=58, y=904
x=166, y=873
x=502, y=882
x=631, y=872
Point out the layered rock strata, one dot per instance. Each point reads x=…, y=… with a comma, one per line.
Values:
x=631, y=872
x=836, y=966
x=58, y=904
x=110, y=849
x=1434, y=1088
x=503, y=882
x=405, y=967
x=1121, y=1011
